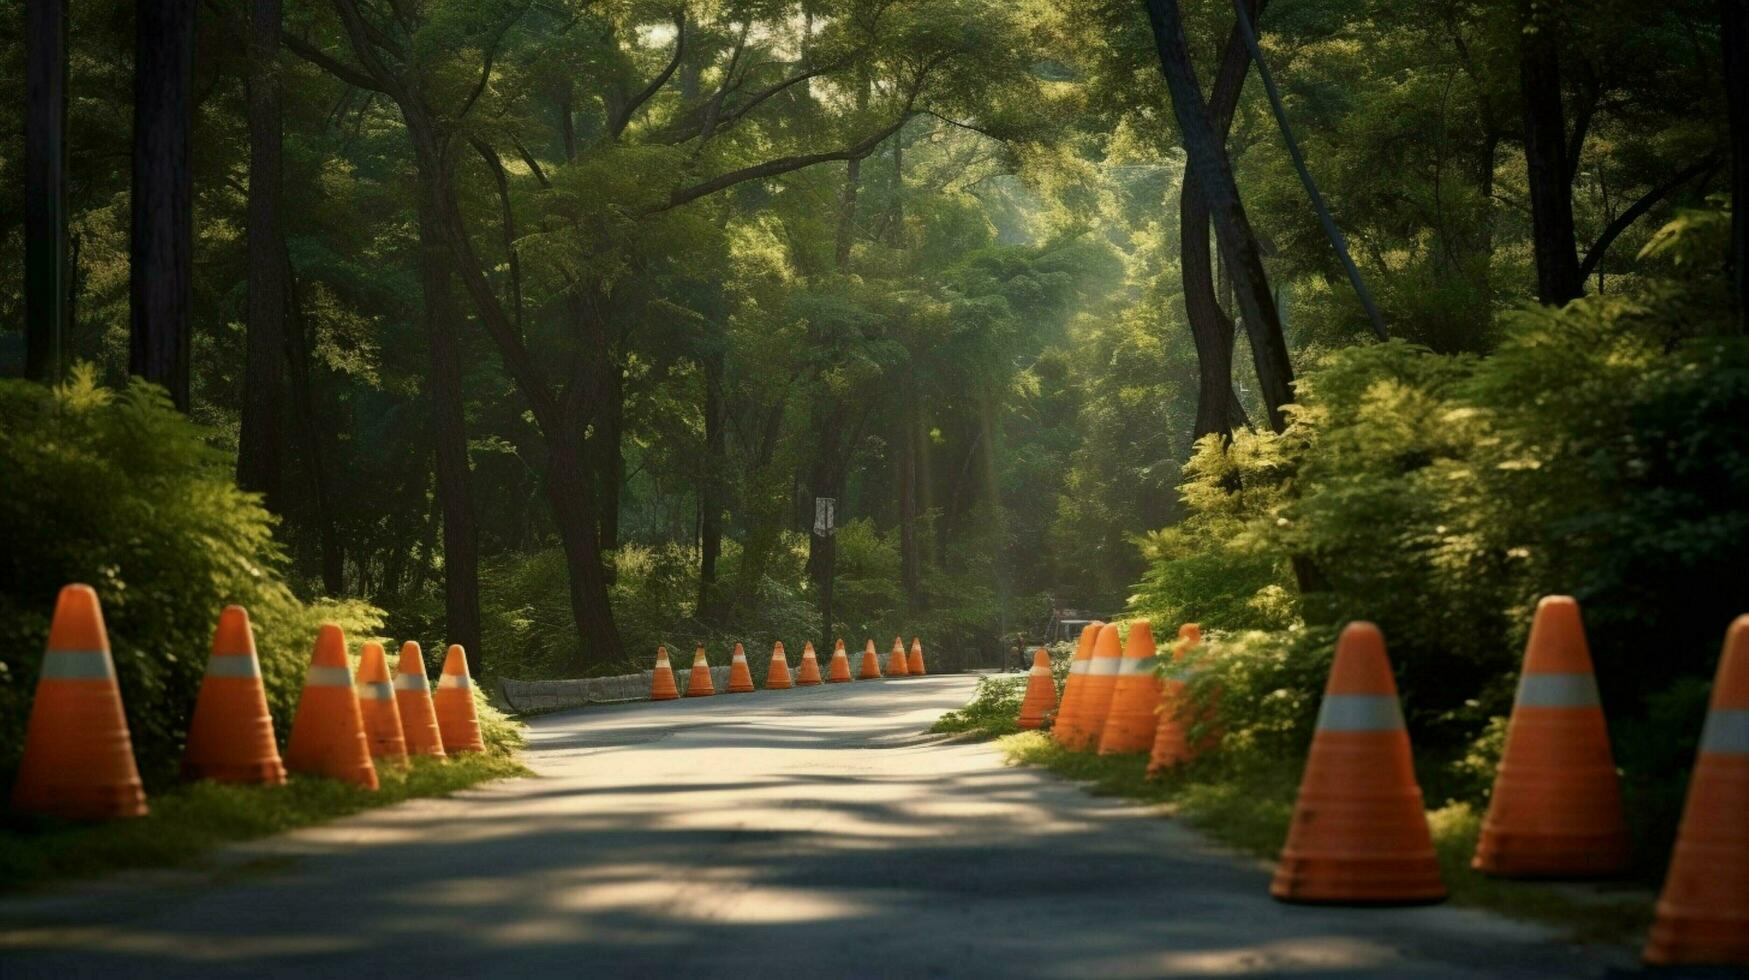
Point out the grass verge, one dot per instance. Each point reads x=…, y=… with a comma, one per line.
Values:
x=187, y=821
x=1248, y=809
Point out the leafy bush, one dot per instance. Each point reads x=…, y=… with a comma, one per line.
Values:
x=1597, y=452
x=119, y=490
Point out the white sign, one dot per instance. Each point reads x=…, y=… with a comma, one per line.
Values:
x=825, y=516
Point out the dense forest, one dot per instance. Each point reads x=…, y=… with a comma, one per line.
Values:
x=542, y=327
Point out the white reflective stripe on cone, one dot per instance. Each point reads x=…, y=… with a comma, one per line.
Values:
x=328, y=677
x=411, y=682
x=233, y=665
x=1726, y=731
x=1078, y=666
x=1557, y=691
x=1360, y=713
x=1036, y=671
x=78, y=665
x=376, y=691
x=1131, y=666
x=1104, y=666
x=454, y=680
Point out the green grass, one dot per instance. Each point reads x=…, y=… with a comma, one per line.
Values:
x=991, y=713
x=1249, y=811
x=187, y=821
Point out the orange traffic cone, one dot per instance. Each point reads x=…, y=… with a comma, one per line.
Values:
x=78, y=758
x=327, y=734
x=1556, y=809
x=1074, y=688
x=1172, y=744
x=376, y=705
x=808, y=674
x=1041, y=692
x=838, y=671
x=777, y=675
x=740, y=677
x=1359, y=831
x=1703, y=914
x=413, y=703
x=699, y=684
x=662, y=680
x=871, y=663
x=1096, y=690
x=1135, y=696
x=896, y=664
x=914, y=666
x=230, y=737
x=454, y=702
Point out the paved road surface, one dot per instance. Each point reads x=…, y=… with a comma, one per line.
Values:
x=807, y=833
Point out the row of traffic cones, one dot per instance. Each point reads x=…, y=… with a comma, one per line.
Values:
x=1359, y=833
x=78, y=758
x=778, y=676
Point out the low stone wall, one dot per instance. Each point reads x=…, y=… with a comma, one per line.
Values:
x=551, y=695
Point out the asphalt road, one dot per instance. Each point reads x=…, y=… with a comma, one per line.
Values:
x=806, y=833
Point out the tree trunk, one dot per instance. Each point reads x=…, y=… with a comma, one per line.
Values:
x=1210, y=327
x=259, y=446
x=1734, y=17
x=574, y=514
x=610, y=430
x=1238, y=243
x=847, y=214
x=1546, y=163
x=163, y=197
x=461, y=542
x=45, y=177
x=710, y=491
x=910, y=547
x=316, y=442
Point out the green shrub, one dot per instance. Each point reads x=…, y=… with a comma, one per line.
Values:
x=119, y=490
x=1597, y=452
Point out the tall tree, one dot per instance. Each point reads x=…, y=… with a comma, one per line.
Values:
x=1546, y=156
x=1210, y=328
x=260, y=452
x=1208, y=160
x=45, y=209
x=161, y=278
x=1734, y=15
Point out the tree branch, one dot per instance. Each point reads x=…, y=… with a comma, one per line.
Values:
x=533, y=165
x=781, y=165
x=491, y=55
x=349, y=74
x=508, y=217
x=1595, y=255
x=623, y=118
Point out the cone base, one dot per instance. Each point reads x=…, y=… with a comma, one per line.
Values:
x=781, y=686
x=1550, y=856
x=665, y=696
x=807, y=683
x=258, y=773
x=739, y=690
x=1692, y=938
x=1367, y=882
x=364, y=777
x=82, y=804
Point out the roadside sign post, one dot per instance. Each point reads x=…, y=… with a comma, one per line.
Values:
x=826, y=529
